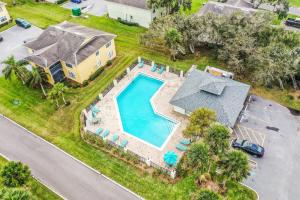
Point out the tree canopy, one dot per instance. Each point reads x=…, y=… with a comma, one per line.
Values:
x=15, y=174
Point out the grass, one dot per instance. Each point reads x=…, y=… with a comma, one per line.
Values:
x=38, y=190
x=295, y=3
x=196, y=6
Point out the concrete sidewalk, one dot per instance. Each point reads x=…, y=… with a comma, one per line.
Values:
x=59, y=171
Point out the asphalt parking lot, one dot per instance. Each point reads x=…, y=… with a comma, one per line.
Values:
x=13, y=40
x=277, y=174
x=93, y=7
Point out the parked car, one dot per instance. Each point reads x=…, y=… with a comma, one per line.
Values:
x=1, y=38
x=293, y=22
x=76, y=1
x=251, y=148
x=22, y=23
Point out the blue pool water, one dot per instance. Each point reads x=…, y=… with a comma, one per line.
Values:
x=137, y=115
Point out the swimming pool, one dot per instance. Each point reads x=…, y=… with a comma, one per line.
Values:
x=137, y=115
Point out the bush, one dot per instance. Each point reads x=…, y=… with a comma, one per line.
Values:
x=68, y=103
x=96, y=74
x=290, y=97
x=127, y=22
x=207, y=195
x=85, y=83
x=109, y=63
x=14, y=194
x=15, y=174
x=61, y=1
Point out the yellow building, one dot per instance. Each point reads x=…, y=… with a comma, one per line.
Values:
x=4, y=16
x=71, y=51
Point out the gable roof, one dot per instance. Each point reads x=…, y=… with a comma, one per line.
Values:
x=134, y=3
x=223, y=95
x=68, y=42
x=223, y=9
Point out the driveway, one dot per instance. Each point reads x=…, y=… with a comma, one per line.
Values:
x=56, y=169
x=277, y=174
x=13, y=40
x=93, y=7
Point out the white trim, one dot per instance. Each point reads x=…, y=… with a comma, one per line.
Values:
x=154, y=109
x=87, y=166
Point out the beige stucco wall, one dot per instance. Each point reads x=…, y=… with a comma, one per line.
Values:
x=143, y=17
x=87, y=67
x=4, y=13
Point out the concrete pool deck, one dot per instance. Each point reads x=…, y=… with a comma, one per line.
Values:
x=110, y=119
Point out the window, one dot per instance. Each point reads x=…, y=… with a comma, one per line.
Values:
x=72, y=75
x=110, y=54
x=69, y=65
x=3, y=19
x=108, y=45
x=97, y=53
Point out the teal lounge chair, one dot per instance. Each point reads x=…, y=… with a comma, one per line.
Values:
x=95, y=109
x=185, y=141
x=141, y=64
x=161, y=70
x=105, y=134
x=115, y=137
x=98, y=131
x=181, y=147
x=124, y=143
x=154, y=68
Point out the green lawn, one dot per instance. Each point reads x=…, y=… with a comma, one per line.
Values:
x=196, y=5
x=295, y=3
x=38, y=190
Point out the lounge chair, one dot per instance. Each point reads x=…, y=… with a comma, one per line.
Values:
x=115, y=137
x=141, y=64
x=124, y=143
x=181, y=147
x=95, y=109
x=105, y=134
x=185, y=141
x=98, y=131
x=154, y=68
x=161, y=70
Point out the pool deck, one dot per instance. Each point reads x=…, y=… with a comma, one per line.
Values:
x=110, y=119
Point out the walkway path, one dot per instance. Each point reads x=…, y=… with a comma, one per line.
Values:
x=59, y=171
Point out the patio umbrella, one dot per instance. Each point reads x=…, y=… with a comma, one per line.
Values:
x=170, y=158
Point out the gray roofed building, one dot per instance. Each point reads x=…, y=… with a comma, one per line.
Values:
x=223, y=9
x=204, y=90
x=68, y=42
x=135, y=3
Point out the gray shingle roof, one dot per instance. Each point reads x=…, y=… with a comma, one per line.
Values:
x=223, y=95
x=223, y=9
x=68, y=42
x=134, y=3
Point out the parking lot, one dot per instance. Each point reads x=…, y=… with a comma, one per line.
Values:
x=93, y=7
x=13, y=40
x=277, y=174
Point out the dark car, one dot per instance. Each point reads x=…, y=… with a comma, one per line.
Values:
x=22, y=23
x=293, y=22
x=1, y=38
x=76, y=1
x=251, y=148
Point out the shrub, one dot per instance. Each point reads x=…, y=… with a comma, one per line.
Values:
x=15, y=194
x=127, y=22
x=207, y=195
x=109, y=63
x=85, y=83
x=68, y=103
x=15, y=174
x=96, y=74
x=290, y=97
x=61, y=1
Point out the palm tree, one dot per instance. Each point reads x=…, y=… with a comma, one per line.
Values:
x=53, y=95
x=60, y=88
x=173, y=40
x=16, y=67
x=234, y=166
x=37, y=77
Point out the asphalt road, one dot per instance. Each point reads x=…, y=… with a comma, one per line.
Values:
x=56, y=169
x=277, y=174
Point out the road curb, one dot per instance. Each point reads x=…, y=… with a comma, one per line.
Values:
x=251, y=189
x=87, y=166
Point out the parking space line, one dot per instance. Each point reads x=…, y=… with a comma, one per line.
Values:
x=253, y=134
